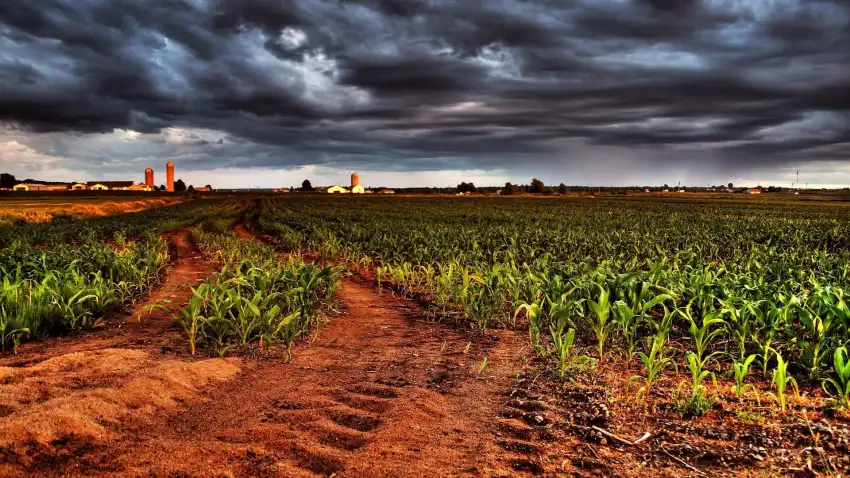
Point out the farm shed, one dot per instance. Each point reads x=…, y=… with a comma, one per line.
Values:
x=357, y=189
x=79, y=187
x=337, y=189
x=31, y=187
x=110, y=185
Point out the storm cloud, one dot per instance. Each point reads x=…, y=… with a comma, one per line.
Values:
x=418, y=85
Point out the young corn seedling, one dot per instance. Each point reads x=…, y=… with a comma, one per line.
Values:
x=702, y=333
x=781, y=380
x=740, y=369
x=600, y=322
x=480, y=367
x=628, y=323
x=190, y=317
x=654, y=363
x=532, y=312
x=698, y=403
x=841, y=382
x=563, y=341
x=818, y=331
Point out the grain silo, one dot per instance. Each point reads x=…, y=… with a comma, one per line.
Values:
x=355, y=179
x=169, y=177
x=149, y=177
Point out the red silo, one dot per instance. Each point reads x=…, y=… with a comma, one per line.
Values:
x=149, y=177
x=169, y=177
x=355, y=179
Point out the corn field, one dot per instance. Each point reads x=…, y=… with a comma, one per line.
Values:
x=730, y=288
x=66, y=275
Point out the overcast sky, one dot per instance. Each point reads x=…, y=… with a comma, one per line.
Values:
x=266, y=93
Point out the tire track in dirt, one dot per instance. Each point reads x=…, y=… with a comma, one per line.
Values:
x=379, y=392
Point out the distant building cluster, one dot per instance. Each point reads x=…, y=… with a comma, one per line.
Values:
x=147, y=185
x=89, y=186
x=354, y=188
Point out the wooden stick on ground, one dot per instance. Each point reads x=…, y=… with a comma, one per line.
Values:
x=619, y=438
x=684, y=463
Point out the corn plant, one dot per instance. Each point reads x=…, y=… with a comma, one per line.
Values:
x=740, y=369
x=654, y=363
x=841, y=382
x=781, y=380
x=818, y=331
x=698, y=403
x=703, y=333
x=532, y=312
x=599, y=322
x=562, y=340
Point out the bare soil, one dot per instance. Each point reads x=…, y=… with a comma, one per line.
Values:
x=570, y=424
x=378, y=391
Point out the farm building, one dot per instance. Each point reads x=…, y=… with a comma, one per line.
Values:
x=110, y=185
x=754, y=191
x=139, y=187
x=386, y=191
x=31, y=187
x=355, y=188
x=79, y=187
x=203, y=189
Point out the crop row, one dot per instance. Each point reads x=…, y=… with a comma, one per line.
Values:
x=257, y=298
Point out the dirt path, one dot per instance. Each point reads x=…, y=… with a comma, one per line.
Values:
x=380, y=392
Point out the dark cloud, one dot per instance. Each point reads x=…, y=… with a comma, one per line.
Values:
x=419, y=83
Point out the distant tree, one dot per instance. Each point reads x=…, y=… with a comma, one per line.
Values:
x=209, y=187
x=306, y=186
x=191, y=188
x=537, y=186
x=7, y=181
x=162, y=187
x=562, y=188
x=179, y=186
x=666, y=186
x=730, y=185
x=508, y=189
x=466, y=187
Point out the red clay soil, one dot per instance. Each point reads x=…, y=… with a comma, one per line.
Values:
x=379, y=391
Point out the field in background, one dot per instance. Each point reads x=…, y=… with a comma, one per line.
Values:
x=45, y=208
